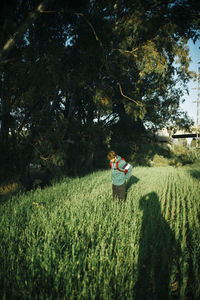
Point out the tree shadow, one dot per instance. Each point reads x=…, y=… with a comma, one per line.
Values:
x=158, y=253
x=195, y=173
x=132, y=180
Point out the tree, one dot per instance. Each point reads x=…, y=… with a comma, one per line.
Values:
x=83, y=70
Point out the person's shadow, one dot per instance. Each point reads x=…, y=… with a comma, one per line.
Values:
x=158, y=253
x=132, y=180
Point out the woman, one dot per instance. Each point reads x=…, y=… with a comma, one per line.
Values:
x=121, y=171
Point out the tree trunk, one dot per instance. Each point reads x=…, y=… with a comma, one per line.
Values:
x=4, y=136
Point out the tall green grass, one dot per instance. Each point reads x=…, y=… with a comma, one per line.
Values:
x=72, y=241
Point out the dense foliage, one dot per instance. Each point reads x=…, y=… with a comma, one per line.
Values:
x=79, y=76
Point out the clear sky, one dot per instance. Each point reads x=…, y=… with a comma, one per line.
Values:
x=188, y=105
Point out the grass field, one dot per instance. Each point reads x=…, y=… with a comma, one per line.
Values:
x=72, y=241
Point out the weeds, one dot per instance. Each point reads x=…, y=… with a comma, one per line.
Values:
x=72, y=241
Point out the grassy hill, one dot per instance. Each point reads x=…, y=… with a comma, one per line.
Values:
x=72, y=241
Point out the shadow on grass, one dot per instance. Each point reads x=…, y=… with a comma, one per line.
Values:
x=158, y=253
x=195, y=173
x=131, y=181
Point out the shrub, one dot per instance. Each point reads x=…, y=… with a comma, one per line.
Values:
x=160, y=161
x=186, y=156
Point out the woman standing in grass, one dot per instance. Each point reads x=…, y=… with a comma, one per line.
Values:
x=121, y=171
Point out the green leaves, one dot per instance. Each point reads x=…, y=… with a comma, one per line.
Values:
x=151, y=61
x=70, y=59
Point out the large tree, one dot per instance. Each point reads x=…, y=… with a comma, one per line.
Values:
x=75, y=71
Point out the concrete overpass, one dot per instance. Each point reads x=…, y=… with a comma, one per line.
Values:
x=163, y=136
x=184, y=135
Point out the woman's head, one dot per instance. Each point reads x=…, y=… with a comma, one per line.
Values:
x=112, y=156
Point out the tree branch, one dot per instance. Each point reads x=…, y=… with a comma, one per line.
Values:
x=91, y=26
x=9, y=45
x=136, y=102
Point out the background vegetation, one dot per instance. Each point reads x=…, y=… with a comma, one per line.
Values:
x=80, y=77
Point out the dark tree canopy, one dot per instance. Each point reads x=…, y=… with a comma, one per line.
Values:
x=76, y=75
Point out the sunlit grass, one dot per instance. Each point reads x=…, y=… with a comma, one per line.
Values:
x=72, y=241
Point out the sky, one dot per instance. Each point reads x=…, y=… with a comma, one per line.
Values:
x=188, y=105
